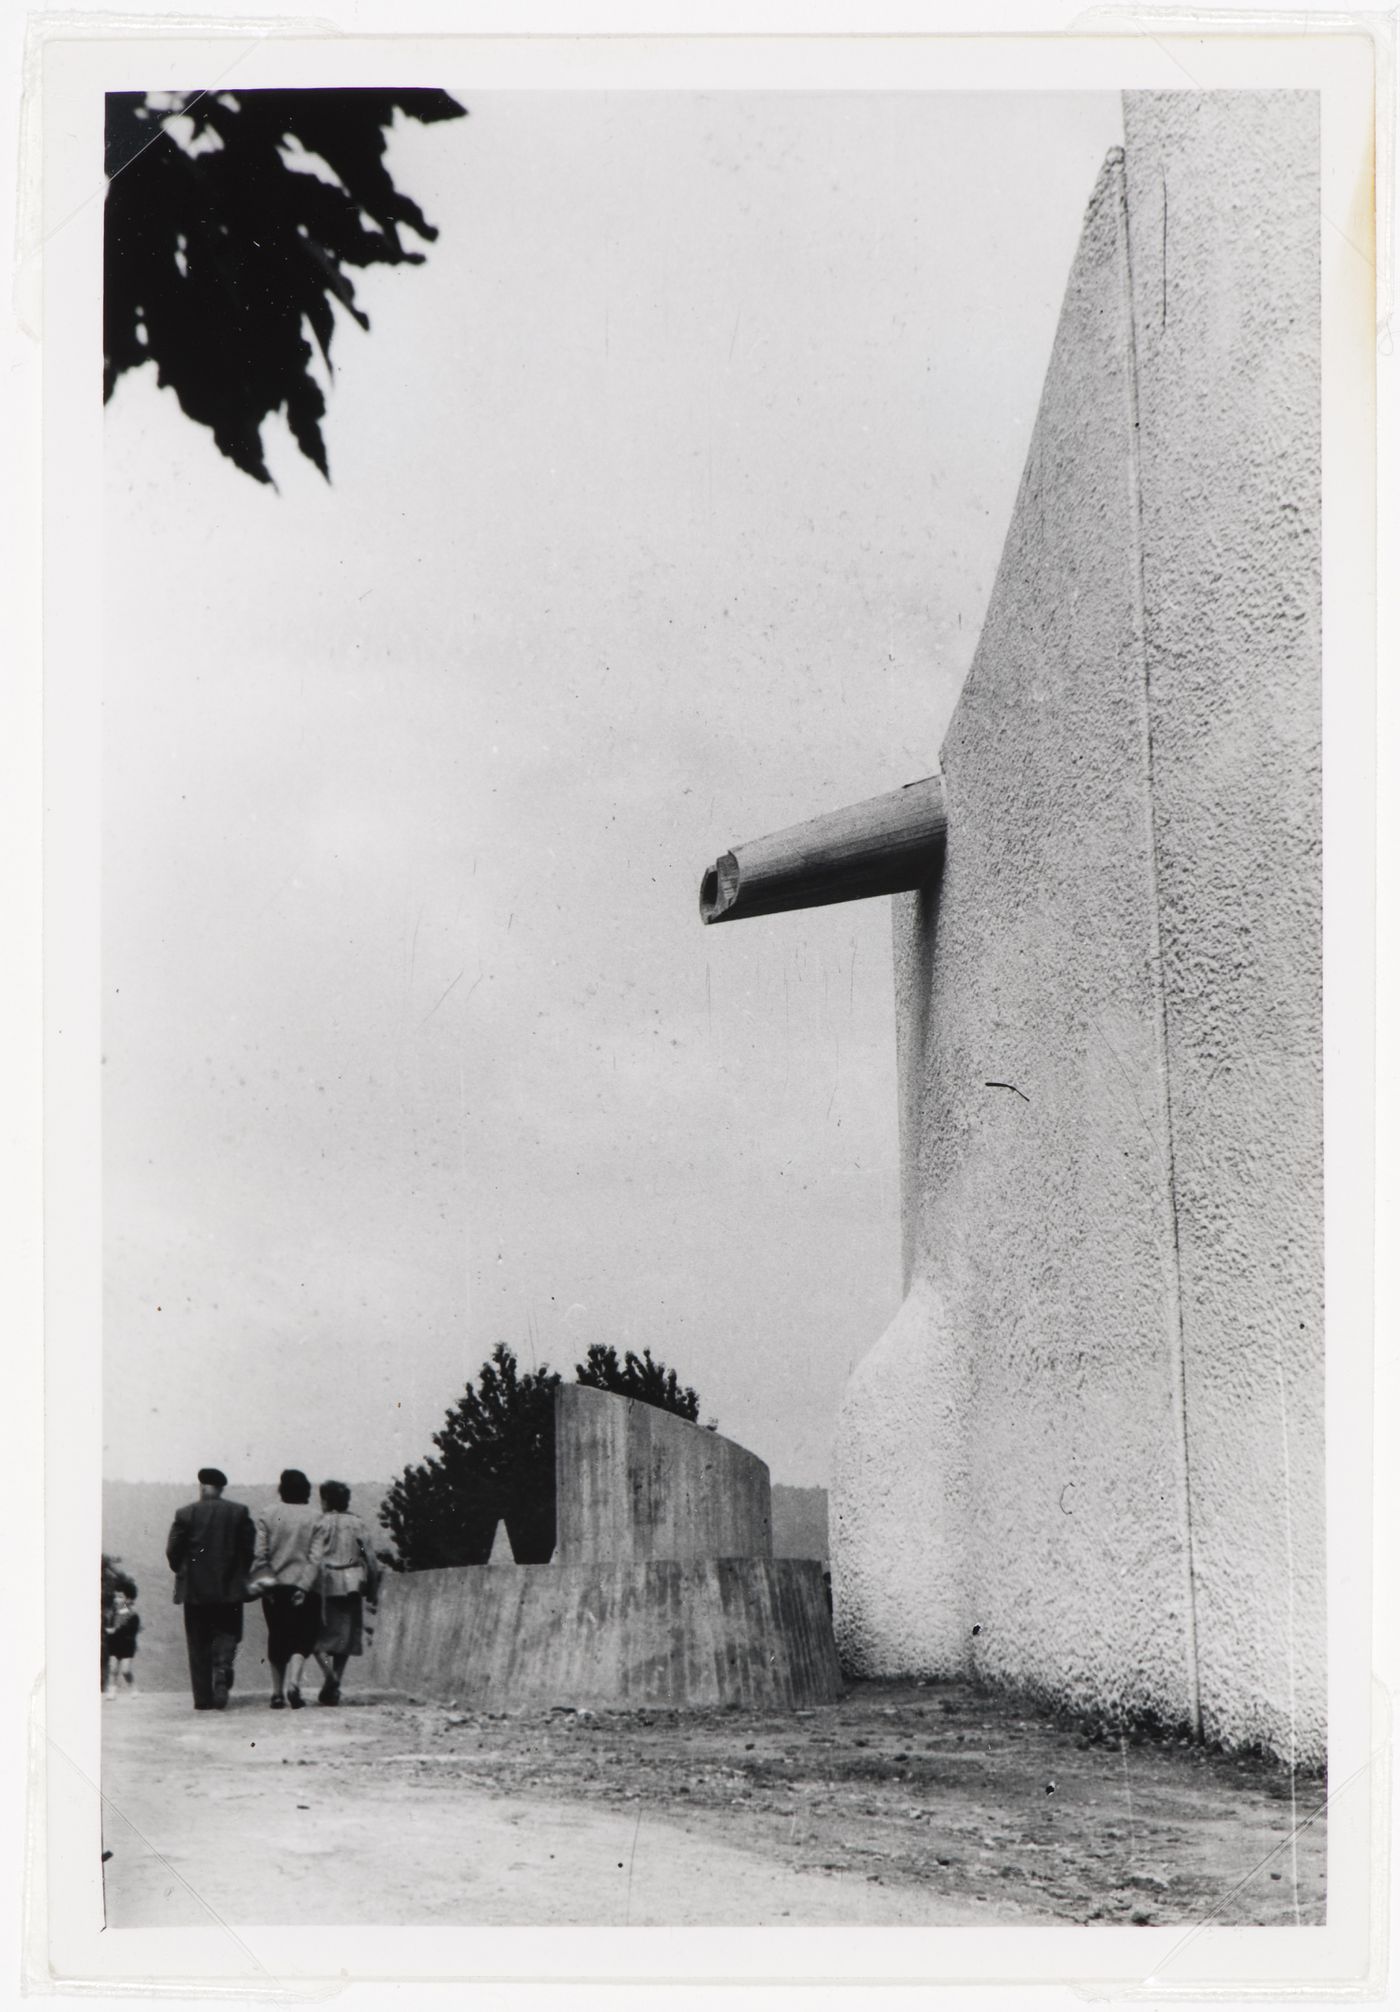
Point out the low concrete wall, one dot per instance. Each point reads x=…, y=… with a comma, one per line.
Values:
x=635, y=1483
x=662, y=1590
x=1086, y=1458
x=743, y=1631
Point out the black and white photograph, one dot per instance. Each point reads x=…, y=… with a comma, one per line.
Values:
x=715, y=1297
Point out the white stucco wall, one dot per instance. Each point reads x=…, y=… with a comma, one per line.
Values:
x=1223, y=201
x=1087, y=1456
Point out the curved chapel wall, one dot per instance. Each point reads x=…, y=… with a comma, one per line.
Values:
x=1086, y=1457
x=1034, y=1124
x=1223, y=198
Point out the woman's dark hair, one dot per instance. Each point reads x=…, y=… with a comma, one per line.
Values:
x=335, y=1495
x=294, y=1486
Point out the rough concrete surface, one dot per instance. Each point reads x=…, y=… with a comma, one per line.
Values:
x=663, y=1588
x=908, y=1803
x=1223, y=202
x=1086, y=1458
x=633, y=1482
x=1050, y=1487
x=716, y=1631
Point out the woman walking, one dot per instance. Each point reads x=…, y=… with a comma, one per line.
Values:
x=283, y=1573
x=342, y=1552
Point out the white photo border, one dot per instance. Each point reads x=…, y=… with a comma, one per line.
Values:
x=251, y=1963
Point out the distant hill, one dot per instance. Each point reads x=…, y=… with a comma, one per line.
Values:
x=136, y=1517
x=800, y=1528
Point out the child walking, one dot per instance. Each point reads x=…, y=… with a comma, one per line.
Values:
x=121, y=1624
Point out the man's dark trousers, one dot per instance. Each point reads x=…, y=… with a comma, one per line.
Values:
x=210, y=1549
x=213, y=1631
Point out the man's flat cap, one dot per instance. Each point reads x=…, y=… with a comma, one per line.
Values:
x=210, y=1477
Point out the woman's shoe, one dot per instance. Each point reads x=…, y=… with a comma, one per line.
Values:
x=294, y=1697
x=279, y=1704
x=329, y=1692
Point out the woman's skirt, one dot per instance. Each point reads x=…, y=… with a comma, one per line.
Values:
x=342, y=1625
x=291, y=1628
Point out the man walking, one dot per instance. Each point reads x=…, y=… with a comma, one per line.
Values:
x=210, y=1550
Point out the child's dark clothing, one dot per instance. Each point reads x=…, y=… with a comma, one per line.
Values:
x=120, y=1634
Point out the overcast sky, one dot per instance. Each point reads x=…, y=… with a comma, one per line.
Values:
x=667, y=498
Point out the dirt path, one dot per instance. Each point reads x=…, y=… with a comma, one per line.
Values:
x=904, y=1803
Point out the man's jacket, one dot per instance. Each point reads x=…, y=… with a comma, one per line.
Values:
x=210, y=1550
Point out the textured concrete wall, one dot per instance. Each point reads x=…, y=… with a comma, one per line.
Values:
x=746, y=1631
x=1223, y=202
x=636, y=1483
x=1086, y=1457
x=662, y=1589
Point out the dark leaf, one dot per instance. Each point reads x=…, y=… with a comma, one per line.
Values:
x=220, y=254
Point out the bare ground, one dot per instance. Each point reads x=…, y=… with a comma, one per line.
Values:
x=911, y=1803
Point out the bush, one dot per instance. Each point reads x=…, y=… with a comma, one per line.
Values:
x=495, y=1460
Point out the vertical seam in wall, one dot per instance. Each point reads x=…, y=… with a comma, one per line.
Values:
x=913, y=962
x=1176, y=1336
x=910, y=1025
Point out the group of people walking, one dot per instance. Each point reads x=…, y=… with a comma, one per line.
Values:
x=314, y=1570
